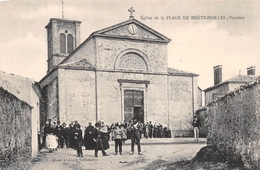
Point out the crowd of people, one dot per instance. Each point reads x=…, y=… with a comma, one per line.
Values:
x=96, y=137
x=149, y=130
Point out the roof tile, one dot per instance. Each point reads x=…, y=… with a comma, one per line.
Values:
x=180, y=72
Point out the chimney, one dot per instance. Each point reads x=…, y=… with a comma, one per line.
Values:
x=217, y=74
x=251, y=70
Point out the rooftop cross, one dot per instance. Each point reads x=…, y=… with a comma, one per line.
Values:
x=131, y=10
x=62, y=9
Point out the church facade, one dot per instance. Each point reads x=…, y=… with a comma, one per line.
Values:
x=116, y=74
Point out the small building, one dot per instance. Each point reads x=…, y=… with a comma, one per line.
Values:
x=26, y=90
x=221, y=88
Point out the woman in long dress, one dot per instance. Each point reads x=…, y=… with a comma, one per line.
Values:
x=89, y=143
x=51, y=139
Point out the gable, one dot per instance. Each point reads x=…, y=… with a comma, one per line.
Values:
x=118, y=31
x=132, y=29
x=81, y=64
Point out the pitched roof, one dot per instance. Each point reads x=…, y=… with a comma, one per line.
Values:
x=102, y=33
x=177, y=72
x=242, y=78
x=80, y=64
x=237, y=79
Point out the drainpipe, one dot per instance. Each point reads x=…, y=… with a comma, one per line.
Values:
x=168, y=91
x=192, y=95
x=96, y=96
x=95, y=69
x=122, y=102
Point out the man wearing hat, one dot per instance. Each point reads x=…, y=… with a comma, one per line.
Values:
x=135, y=137
x=78, y=140
x=71, y=135
x=196, y=125
x=58, y=132
x=65, y=134
x=76, y=123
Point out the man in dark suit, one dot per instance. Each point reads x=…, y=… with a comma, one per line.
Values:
x=71, y=135
x=58, y=132
x=46, y=130
x=65, y=134
x=135, y=137
x=150, y=127
x=78, y=140
x=196, y=126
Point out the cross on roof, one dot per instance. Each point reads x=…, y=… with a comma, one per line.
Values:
x=62, y=1
x=131, y=10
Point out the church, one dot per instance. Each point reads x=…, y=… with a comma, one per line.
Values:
x=117, y=74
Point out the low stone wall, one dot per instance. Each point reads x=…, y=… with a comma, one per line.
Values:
x=234, y=125
x=15, y=131
x=182, y=133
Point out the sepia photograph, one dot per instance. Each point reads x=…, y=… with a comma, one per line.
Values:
x=129, y=84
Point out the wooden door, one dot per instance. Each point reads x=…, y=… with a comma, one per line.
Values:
x=133, y=105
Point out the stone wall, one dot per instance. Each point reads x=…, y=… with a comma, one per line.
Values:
x=77, y=96
x=110, y=96
x=86, y=51
x=49, y=105
x=109, y=50
x=182, y=104
x=15, y=131
x=26, y=90
x=233, y=123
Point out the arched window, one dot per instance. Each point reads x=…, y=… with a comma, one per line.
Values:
x=62, y=43
x=70, y=43
x=66, y=42
x=132, y=61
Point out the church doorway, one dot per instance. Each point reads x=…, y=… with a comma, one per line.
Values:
x=133, y=105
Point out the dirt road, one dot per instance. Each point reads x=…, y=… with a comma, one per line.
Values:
x=155, y=156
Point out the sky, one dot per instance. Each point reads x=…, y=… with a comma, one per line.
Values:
x=203, y=33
